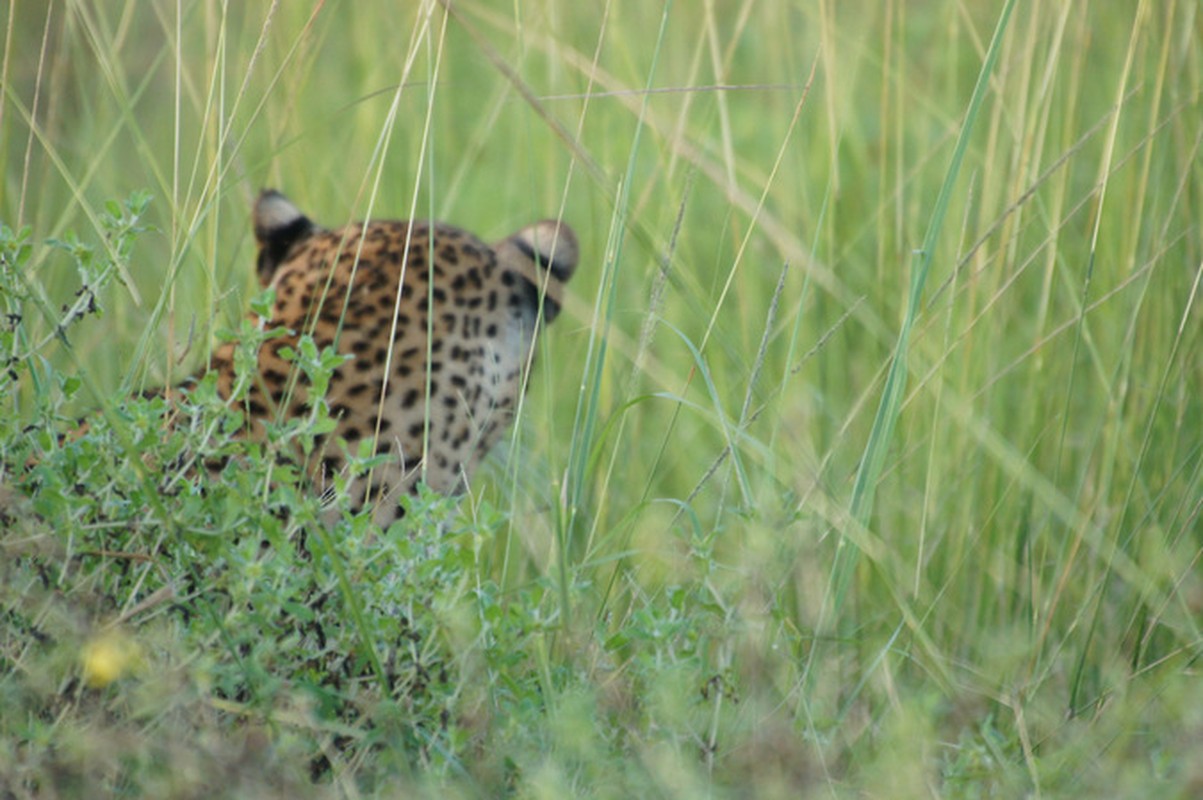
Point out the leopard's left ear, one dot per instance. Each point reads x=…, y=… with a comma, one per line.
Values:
x=545, y=256
x=278, y=226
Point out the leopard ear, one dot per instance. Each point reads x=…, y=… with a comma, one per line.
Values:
x=545, y=256
x=278, y=226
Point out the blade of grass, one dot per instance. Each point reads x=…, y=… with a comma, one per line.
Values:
x=1105, y=172
x=589, y=399
x=881, y=434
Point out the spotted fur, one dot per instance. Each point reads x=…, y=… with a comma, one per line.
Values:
x=439, y=327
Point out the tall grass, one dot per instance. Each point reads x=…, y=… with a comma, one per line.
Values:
x=912, y=281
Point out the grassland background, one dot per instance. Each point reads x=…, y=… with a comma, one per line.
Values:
x=752, y=183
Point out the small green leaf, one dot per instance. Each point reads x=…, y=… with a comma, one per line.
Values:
x=263, y=303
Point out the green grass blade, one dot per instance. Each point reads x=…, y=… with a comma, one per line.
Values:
x=881, y=435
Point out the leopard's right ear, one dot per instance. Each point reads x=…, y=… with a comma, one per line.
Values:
x=278, y=226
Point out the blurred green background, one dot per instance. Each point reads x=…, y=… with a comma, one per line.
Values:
x=752, y=183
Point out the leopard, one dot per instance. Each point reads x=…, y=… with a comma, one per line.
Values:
x=435, y=332
x=438, y=329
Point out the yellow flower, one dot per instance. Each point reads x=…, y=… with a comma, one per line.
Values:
x=107, y=656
